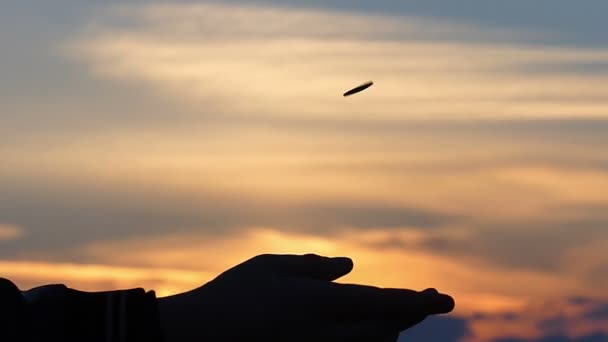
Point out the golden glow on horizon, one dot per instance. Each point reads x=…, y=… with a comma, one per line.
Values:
x=99, y=277
x=382, y=267
x=174, y=264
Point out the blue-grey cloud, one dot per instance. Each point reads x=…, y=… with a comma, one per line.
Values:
x=537, y=245
x=598, y=313
x=458, y=329
x=574, y=23
x=581, y=300
x=554, y=325
x=60, y=215
x=564, y=22
x=438, y=329
x=520, y=247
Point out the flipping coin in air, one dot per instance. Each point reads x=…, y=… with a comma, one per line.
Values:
x=359, y=88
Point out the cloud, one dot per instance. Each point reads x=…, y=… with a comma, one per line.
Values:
x=438, y=329
x=556, y=240
x=580, y=300
x=70, y=213
x=10, y=232
x=418, y=269
x=518, y=15
x=516, y=245
x=248, y=68
x=596, y=337
x=599, y=313
x=99, y=277
x=555, y=319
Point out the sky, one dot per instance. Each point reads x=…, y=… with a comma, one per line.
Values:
x=156, y=144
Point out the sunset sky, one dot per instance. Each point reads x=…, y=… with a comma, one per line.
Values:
x=156, y=144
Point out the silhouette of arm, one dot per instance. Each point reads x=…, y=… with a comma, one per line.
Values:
x=267, y=298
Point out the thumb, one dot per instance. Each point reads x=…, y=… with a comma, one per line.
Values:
x=310, y=266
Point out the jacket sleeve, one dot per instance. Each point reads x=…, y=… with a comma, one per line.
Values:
x=58, y=313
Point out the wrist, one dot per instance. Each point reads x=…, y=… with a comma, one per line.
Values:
x=164, y=322
x=178, y=321
x=169, y=319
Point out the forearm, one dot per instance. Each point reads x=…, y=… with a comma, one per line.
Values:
x=58, y=313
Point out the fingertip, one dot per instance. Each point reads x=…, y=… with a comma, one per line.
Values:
x=453, y=304
x=344, y=263
x=450, y=303
x=439, y=303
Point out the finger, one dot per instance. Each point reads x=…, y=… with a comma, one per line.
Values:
x=409, y=302
x=309, y=266
x=354, y=302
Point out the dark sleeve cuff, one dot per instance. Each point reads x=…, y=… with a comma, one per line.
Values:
x=63, y=314
x=13, y=317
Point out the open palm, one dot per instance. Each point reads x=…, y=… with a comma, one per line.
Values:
x=294, y=298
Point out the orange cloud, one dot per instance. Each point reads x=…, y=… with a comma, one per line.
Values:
x=10, y=232
x=479, y=286
x=100, y=277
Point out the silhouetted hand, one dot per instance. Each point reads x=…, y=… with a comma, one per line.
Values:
x=293, y=298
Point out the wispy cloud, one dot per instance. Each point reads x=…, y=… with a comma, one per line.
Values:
x=99, y=277
x=10, y=232
x=251, y=61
